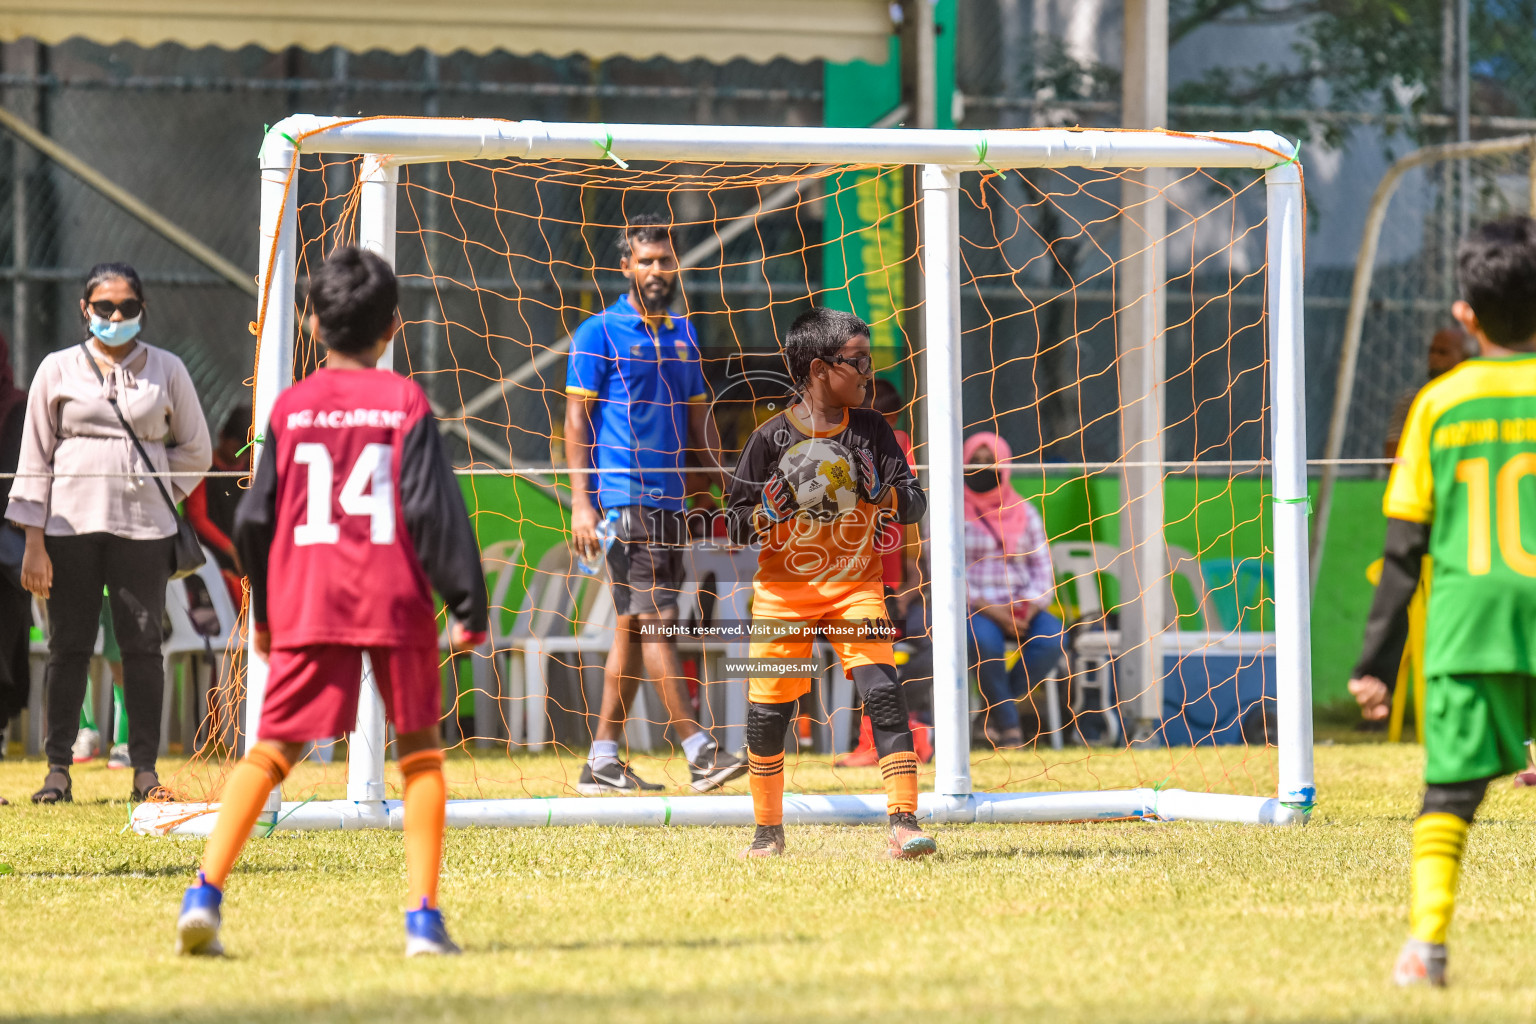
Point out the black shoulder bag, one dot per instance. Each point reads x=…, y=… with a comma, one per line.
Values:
x=187, y=553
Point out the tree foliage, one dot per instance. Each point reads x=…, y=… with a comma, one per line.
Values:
x=1368, y=57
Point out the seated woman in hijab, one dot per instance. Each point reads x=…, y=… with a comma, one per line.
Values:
x=1015, y=643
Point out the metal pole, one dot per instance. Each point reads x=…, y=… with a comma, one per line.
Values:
x=1288, y=420
x=941, y=267
x=919, y=94
x=21, y=297
x=1463, y=105
x=920, y=55
x=1359, y=294
x=1140, y=291
x=378, y=187
x=277, y=252
x=433, y=315
x=1530, y=173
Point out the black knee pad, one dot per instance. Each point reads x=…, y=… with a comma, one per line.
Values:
x=883, y=700
x=885, y=707
x=766, y=726
x=1458, y=798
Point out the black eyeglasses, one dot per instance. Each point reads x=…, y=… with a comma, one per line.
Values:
x=130, y=308
x=861, y=364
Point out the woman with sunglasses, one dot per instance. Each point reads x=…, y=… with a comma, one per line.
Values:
x=93, y=519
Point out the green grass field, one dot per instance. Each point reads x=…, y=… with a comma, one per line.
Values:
x=1120, y=921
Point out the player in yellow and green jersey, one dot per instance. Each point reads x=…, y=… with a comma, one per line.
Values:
x=1463, y=491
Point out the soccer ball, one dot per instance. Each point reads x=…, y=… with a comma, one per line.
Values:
x=821, y=473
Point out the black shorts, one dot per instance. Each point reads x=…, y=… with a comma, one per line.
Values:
x=645, y=561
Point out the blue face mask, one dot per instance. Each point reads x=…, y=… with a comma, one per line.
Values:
x=119, y=332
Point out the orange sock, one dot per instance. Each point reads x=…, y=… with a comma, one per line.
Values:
x=240, y=805
x=767, y=785
x=426, y=808
x=899, y=770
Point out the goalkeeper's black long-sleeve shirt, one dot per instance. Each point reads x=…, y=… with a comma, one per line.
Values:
x=808, y=549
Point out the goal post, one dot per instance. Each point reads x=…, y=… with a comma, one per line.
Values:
x=386, y=144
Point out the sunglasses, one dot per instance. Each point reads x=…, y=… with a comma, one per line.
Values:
x=861, y=363
x=130, y=308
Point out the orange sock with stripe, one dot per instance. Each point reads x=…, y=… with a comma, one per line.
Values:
x=245, y=793
x=899, y=770
x=426, y=810
x=767, y=785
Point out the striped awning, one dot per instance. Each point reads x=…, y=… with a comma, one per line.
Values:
x=715, y=30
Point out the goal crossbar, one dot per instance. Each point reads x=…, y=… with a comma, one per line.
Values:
x=386, y=143
x=411, y=139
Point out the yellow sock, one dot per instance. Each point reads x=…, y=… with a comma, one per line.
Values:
x=767, y=785
x=899, y=770
x=426, y=809
x=1438, y=842
x=239, y=806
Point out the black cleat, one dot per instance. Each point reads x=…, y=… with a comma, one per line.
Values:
x=612, y=776
x=714, y=769
x=767, y=841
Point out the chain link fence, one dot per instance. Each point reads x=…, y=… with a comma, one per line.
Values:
x=179, y=129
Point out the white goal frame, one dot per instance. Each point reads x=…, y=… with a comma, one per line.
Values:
x=387, y=143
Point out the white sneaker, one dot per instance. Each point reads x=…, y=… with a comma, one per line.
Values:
x=1420, y=963
x=87, y=746
x=118, y=757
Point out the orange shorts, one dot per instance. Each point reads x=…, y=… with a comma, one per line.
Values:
x=794, y=618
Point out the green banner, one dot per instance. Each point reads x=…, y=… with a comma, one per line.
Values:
x=865, y=225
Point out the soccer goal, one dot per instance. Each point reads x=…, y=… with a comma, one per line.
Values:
x=1125, y=307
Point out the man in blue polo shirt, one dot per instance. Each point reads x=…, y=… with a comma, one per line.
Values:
x=635, y=403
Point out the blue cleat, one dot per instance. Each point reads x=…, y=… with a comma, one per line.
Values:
x=426, y=935
x=908, y=840
x=197, y=930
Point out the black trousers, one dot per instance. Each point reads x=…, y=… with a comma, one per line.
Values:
x=15, y=639
x=135, y=573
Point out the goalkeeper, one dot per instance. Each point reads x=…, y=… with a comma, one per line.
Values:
x=1462, y=493
x=821, y=565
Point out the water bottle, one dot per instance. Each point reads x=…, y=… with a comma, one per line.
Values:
x=607, y=530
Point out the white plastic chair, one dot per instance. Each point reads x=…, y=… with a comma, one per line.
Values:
x=564, y=611
x=1094, y=645
x=200, y=655
x=723, y=705
x=494, y=703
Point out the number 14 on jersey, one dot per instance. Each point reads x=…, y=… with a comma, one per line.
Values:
x=368, y=491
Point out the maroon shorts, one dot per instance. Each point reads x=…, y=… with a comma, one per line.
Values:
x=312, y=691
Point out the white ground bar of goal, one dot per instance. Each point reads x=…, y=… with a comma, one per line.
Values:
x=187, y=819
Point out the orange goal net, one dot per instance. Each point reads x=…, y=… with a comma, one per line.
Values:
x=1105, y=486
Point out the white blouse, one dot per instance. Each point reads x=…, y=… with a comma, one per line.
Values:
x=71, y=429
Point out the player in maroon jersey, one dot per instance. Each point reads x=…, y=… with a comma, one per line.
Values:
x=354, y=518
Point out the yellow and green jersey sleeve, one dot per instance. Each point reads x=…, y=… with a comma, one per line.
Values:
x=1466, y=466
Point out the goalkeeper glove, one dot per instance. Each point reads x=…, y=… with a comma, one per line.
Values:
x=778, y=499
x=871, y=488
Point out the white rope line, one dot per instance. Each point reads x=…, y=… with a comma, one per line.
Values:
x=548, y=471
